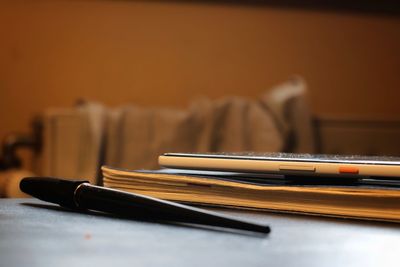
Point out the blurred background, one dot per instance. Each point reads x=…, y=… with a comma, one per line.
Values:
x=170, y=53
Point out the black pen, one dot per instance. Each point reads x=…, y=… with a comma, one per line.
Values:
x=84, y=196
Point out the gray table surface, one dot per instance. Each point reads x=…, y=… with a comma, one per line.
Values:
x=34, y=233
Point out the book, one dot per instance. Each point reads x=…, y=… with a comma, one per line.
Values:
x=367, y=200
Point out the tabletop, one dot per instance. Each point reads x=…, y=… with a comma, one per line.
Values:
x=36, y=233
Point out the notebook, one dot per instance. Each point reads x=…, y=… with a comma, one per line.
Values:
x=366, y=199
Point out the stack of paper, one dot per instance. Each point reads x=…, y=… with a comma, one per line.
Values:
x=236, y=190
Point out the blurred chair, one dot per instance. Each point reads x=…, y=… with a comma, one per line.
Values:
x=75, y=142
x=289, y=102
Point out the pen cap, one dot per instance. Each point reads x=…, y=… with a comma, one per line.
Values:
x=51, y=189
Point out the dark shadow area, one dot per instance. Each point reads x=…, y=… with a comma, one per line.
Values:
x=383, y=7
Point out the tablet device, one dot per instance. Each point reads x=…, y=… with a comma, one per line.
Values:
x=286, y=163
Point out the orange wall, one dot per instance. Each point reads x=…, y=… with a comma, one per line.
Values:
x=54, y=52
